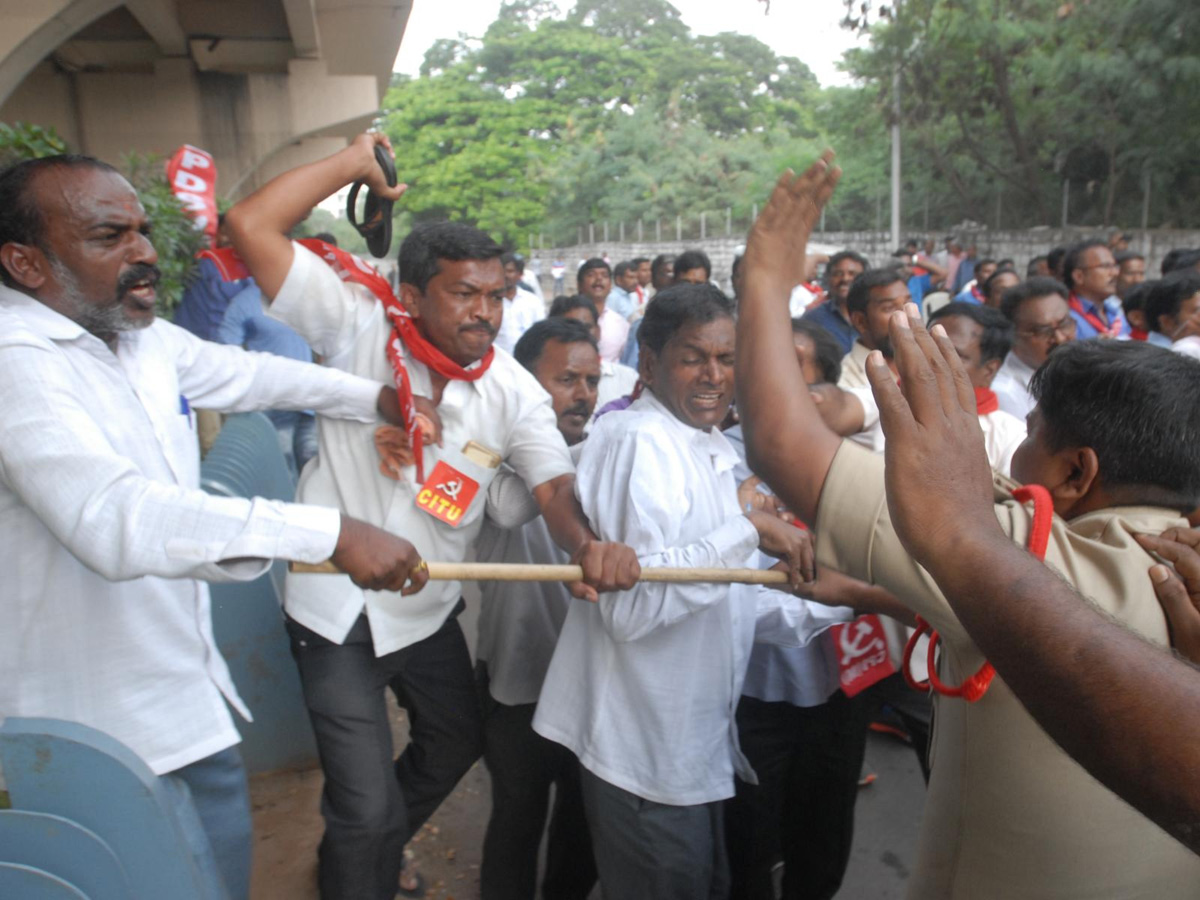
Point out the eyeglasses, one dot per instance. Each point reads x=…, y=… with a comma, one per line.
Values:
x=1045, y=332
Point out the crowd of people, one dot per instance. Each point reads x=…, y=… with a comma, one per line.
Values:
x=949, y=489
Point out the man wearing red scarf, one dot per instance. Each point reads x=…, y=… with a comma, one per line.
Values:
x=1091, y=276
x=435, y=342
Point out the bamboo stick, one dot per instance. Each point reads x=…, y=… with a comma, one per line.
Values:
x=441, y=571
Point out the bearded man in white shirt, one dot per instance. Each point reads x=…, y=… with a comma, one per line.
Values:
x=108, y=538
x=435, y=340
x=644, y=683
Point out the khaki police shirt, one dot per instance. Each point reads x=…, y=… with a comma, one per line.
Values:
x=854, y=367
x=1009, y=814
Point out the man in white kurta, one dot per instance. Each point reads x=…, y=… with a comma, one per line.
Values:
x=519, y=624
x=105, y=618
x=644, y=683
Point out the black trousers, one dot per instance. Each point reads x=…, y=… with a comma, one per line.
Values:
x=523, y=765
x=808, y=761
x=372, y=804
x=913, y=709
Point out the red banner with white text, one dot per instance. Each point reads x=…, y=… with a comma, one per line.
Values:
x=192, y=175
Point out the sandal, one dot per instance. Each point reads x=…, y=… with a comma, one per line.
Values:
x=413, y=893
x=376, y=227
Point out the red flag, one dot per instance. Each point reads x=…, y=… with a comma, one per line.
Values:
x=192, y=175
x=862, y=653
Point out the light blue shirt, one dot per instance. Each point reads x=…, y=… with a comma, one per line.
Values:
x=621, y=301
x=246, y=324
x=1084, y=330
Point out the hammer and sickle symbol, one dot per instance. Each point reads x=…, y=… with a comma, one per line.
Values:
x=451, y=488
x=857, y=644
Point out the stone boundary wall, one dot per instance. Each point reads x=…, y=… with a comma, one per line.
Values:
x=1020, y=246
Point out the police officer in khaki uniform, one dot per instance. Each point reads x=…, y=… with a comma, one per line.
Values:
x=1116, y=442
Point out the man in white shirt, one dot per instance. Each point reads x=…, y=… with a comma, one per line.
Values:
x=982, y=337
x=873, y=297
x=643, y=685
x=1042, y=321
x=519, y=623
x=1173, y=309
x=641, y=266
x=616, y=379
x=521, y=307
x=350, y=646
x=514, y=270
x=108, y=537
x=594, y=281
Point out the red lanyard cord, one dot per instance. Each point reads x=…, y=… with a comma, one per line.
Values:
x=975, y=686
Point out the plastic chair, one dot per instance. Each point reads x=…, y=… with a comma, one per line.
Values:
x=78, y=773
x=246, y=461
x=64, y=848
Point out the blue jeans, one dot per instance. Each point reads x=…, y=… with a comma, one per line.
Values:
x=212, y=801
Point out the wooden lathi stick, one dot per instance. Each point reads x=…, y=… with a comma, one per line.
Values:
x=441, y=571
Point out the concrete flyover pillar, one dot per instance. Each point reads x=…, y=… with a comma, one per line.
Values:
x=262, y=86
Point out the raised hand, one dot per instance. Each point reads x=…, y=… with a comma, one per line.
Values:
x=363, y=148
x=1180, y=599
x=778, y=239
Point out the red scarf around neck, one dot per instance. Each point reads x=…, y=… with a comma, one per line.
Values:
x=404, y=330
x=1110, y=330
x=986, y=401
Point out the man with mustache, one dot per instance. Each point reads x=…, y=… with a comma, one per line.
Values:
x=1090, y=273
x=594, y=281
x=105, y=617
x=435, y=341
x=833, y=315
x=872, y=298
x=519, y=623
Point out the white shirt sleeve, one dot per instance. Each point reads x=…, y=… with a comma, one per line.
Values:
x=111, y=517
x=790, y=621
x=631, y=492
x=230, y=379
x=509, y=503
x=327, y=312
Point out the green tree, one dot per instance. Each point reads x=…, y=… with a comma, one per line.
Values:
x=1014, y=96
x=614, y=111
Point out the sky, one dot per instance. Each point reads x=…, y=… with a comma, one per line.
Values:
x=807, y=29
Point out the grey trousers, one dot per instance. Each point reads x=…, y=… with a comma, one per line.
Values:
x=653, y=851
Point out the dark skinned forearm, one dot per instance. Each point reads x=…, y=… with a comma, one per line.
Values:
x=787, y=443
x=1126, y=710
